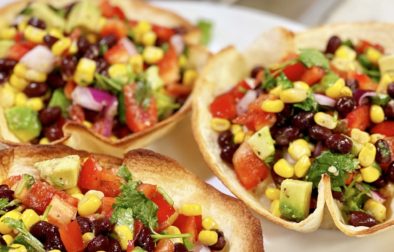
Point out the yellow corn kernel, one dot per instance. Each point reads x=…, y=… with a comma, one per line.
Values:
x=283, y=168
x=35, y=76
x=84, y=74
x=141, y=28
x=272, y=193
x=325, y=120
x=124, y=235
x=373, y=55
x=18, y=83
x=235, y=128
x=370, y=174
x=30, y=217
x=346, y=53
x=87, y=124
x=35, y=104
x=334, y=91
x=276, y=91
x=20, y=99
x=61, y=46
x=44, y=140
x=54, y=250
x=87, y=237
x=174, y=230
x=375, y=137
x=119, y=72
x=137, y=63
x=7, y=96
x=13, y=214
x=22, y=25
x=17, y=248
x=99, y=194
x=220, y=124
x=302, y=166
x=376, y=114
x=182, y=61
x=385, y=80
x=149, y=38
x=274, y=208
x=367, y=155
x=272, y=106
x=88, y=205
x=301, y=85
x=191, y=209
x=152, y=54
x=209, y=224
x=8, y=239
x=299, y=148
x=189, y=77
x=78, y=196
x=239, y=137
x=346, y=92
x=345, y=65
x=359, y=136
x=376, y=209
x=34, y=34
x=55, y=32
x=73, y=49
x=102, y=22
x=207, y=237
x=293, y=95
x=7, y=33
x=73, y=190
x=20, y=70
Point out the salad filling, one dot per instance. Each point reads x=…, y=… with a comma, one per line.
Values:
x=77, y=205
x=315, y=113
x=87, y=63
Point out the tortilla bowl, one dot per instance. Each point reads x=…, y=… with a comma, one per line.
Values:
x=79, y=136
x=241, y=229
x=229, y=66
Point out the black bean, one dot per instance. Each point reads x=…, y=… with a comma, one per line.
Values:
x=83, y=45
x=179, y=247
x=53, y=132
x=108, y=41
x=303, y=120
x=390, y=89
x=34, y=89
x=358, y=218
x=50, y=115
x=68, y=65
x=2, y=242
x=284, y=117
x=145, y=240
x=102, y=226
x=38, y=23
x=4, y=77
x=92, y=52
x=7, y=65
x=221, y=243
x=389, y=110
x=99, y=242
x=383, y=152
x=48, y=234
x=344, y=105
x=337, y=195
x=6, y=192
x=54, y=242
x=102, y=66
x=332, y=45
x=380, y=182
x=225, y=138
x=390, y=172
x=319, y=133
x=50, y=40
x=255, y=71
x=339, y=143
x=84, y=224
x=276, y=178
x=55, y=80
x=227, y=153
x=284, y=136
x=352, y=84
x=114, y=246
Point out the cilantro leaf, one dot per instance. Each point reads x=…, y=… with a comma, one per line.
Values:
x=284, y=82
x=354, y=198
x=341, y=165
x=329, y=79
x=4, y=203
x=143, y=92
x=381, y=99
x=103, y=82
x=123, y=216
x=313, y=57
x=205, y=27
x=27, y=236
x=269, y=80
x=165, y=103
x=125, y=173
x=309, y=104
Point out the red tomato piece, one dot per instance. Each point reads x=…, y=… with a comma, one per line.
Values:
x=295, y=71
x=313, y=75
x=11, y=181
x=364, y=82
x=178, y=90
x=148, y=190
x=18, y=50
x=106, y=206
x=117, y=54
x=239, y=90
x=69, y=88
x=249, y=168
x=76, y=113
x=384, y=128
x=165, y=245
x=169, y=66
x=164, y=34
x=89, y=177
x=109, y=184
x=359, y=118
x=39, y=196
x=110, y=11
x=67, y=198
x=71, y=236
x=139, y=117
x=224, y=106
x=364, y=45
x=189, y=224
x=114, y=27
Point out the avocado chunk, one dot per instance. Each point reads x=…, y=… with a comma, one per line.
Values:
x=58, y=99
x=60, y=172
x=51, y=18
x=5, y=45
x=85, y=14
x=23, y=123
x=295, y=197
x=262, y=143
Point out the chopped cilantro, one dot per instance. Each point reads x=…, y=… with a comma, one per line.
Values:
x=309, y=104
x=123, y=216
x=106, y=83
x=284, y=82
x=313, y=57
x=269, y=80
x=381, y=99
x=27, y=236
x=125, y=173
x=205, y=27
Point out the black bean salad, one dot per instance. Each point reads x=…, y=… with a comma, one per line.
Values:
x=87, y=63
x=77, y=205
x=315, y=113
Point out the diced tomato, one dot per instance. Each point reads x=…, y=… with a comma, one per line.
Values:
x=76, y=113
x=249, y=168
x=139, y=116
x=295, y=71
x=109, y=184
x=106, y=206
x=363, y=45
x=384, y=128
x=313, y=75
x=117, y=54
x=114, y=27
x=110, y=11
x=61, y=212
x=39, y=196
x=189, y=224
x=240, y=89
x=149, y=190
x=69, y=88
x=18, y=50
x=178, y=90
x=224, y=106
x=364, y=82
x=255, y=118
x=359, y=118
x=169, y=66
x=71, y=236
x=164, y=34
x=164, y=245
x=11, y=181
x=89, y=177
x=137, y=228
x=349, y=178
x=67, y=198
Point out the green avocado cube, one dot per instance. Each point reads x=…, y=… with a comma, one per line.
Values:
x=262, y=143
x=23, y=123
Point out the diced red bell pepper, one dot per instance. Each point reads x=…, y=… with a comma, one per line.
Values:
x=364, y=45
x=224, y=106
x=114, y=27
x=71, y=236
x=164, y=34
x=109, y=184
x=110, y=11
x=313, y=75
x=90, y=175
x=169, y=66
x=384, y=128
x=18, y=50
x=189, y=224
x=359, y=118
x=106, y=206
x=295, y=71
x=250, y=169
x=364, y=82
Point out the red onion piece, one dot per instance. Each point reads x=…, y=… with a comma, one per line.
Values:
x=376, y=196
x=178, y=44
x=43, y=55
x=324, y=100
x=95, y=99
x=129, y=46
x=243, y=104
x=363, y=98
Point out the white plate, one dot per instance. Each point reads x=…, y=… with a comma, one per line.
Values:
x=238, y=26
